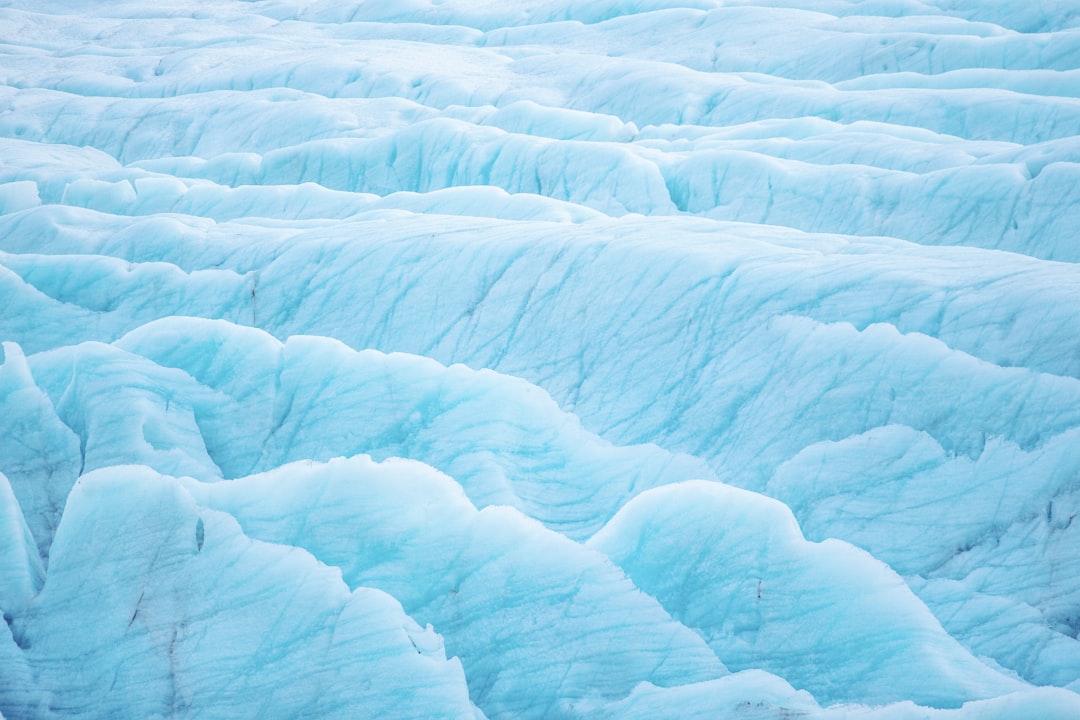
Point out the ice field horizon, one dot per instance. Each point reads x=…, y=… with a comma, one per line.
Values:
x=549, y=359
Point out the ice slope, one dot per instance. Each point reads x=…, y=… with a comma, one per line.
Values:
x=323, y=322
x=744, y=587
x=955, y=539
x=155, y=606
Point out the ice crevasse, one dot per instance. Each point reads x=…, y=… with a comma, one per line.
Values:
x=668, y=358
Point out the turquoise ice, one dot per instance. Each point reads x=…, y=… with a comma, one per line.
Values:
x=615, y=359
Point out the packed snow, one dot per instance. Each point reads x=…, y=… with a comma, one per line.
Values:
x=613, y=359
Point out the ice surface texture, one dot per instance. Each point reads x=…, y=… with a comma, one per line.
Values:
x=652, y=358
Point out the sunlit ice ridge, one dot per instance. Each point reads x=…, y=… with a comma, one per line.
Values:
x=540, y=359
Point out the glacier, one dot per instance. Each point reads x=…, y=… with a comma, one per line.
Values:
x=609, y=359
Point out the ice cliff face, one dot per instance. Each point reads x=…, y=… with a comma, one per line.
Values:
x=669, y=358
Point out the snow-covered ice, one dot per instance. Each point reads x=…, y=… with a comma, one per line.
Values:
x=627, y=358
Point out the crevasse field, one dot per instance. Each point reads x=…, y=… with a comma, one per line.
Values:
x=540, y=359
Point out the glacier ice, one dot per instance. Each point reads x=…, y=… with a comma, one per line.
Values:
x=743, y=586
x=170, y=602
x=538, y=621
x=629, y=358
